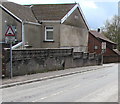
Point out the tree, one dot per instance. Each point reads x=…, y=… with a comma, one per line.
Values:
x=111, y=30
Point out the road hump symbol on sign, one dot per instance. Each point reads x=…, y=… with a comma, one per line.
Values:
x=9, y=32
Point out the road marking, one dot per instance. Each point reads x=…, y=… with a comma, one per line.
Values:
x=40, y=98
x=43, y=98
x=57, y=93
x=50, y=95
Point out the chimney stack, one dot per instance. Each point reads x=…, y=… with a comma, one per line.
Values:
x=98, y=30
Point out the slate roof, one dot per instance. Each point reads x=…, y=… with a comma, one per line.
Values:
x=100, y=36
x=39, y=12
x=51, y=11
x=22, y=12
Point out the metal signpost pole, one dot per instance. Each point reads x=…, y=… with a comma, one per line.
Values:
x=10, y=38
x=103, y=50
x=102, y=56
x=11, y=73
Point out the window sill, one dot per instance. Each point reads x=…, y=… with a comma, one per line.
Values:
x=48, y=41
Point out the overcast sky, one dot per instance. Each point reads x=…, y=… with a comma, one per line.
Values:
x=96, y=11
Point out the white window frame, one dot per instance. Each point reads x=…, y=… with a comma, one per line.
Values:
x=46, y=33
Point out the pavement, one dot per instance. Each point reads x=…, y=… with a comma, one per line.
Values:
x=19, y=80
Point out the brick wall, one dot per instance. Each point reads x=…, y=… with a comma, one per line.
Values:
x=109, y=56
x=92, y=43
x=111, y=59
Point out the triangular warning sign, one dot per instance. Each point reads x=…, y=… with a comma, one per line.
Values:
x=9, y=32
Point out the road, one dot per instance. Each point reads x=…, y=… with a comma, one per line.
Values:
x=94, y=86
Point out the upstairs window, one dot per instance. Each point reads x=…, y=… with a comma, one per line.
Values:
x=48, y=33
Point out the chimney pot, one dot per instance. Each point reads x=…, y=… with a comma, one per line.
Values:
x=98, y=30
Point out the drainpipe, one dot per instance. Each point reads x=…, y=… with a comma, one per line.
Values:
x=23, y=35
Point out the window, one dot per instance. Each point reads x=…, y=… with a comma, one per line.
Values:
x=48, y=33
x=95, y=47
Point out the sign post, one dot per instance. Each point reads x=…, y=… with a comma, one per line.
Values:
x=10, y=38
x=103, y=49
x=11, y=71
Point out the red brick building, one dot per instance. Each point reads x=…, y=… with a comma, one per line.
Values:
x=111, y=54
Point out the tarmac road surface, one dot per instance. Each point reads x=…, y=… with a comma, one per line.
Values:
x=92, y=86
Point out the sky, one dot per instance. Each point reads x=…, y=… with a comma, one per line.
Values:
x=96, y=11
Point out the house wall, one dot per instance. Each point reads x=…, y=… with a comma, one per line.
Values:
x=92, y=42
x=96, y=42
x=0, y=25
x=7, y=20
x=31, y=32
x=73, y=33
x=32, y=35
x=112, y=46
x=56, y=35
x=109, y=56
x=76, y=19
x=71, y=36
x=109, y=52
x=0, y=43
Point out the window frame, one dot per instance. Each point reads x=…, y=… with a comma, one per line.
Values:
x=46, y=30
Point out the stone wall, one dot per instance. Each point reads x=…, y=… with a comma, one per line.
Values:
x=29, y=61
